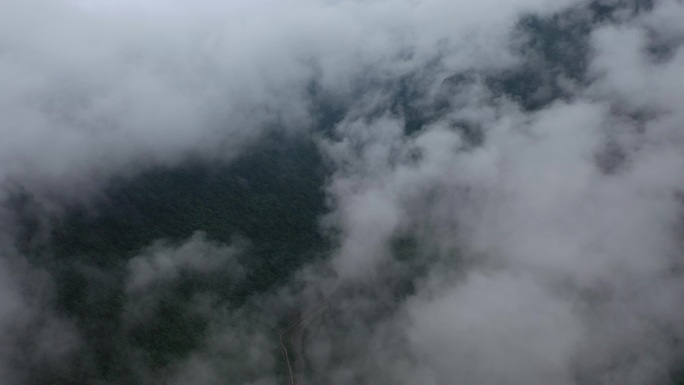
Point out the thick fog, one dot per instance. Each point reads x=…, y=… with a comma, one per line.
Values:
x=498, y=193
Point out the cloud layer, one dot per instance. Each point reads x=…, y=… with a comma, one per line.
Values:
x=504, y=202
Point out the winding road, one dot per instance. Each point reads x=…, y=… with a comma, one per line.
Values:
x=292, y=328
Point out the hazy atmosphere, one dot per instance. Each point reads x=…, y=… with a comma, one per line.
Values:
x=281, y=192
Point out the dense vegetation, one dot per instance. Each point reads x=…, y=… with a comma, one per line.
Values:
x=270, y=198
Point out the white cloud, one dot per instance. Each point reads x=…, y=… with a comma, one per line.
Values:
x=571, y=271
x=163, y=263
x=545, y=265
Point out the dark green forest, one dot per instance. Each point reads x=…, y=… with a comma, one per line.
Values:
x=270, y=198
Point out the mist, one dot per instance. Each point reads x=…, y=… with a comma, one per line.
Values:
x=463, y=192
